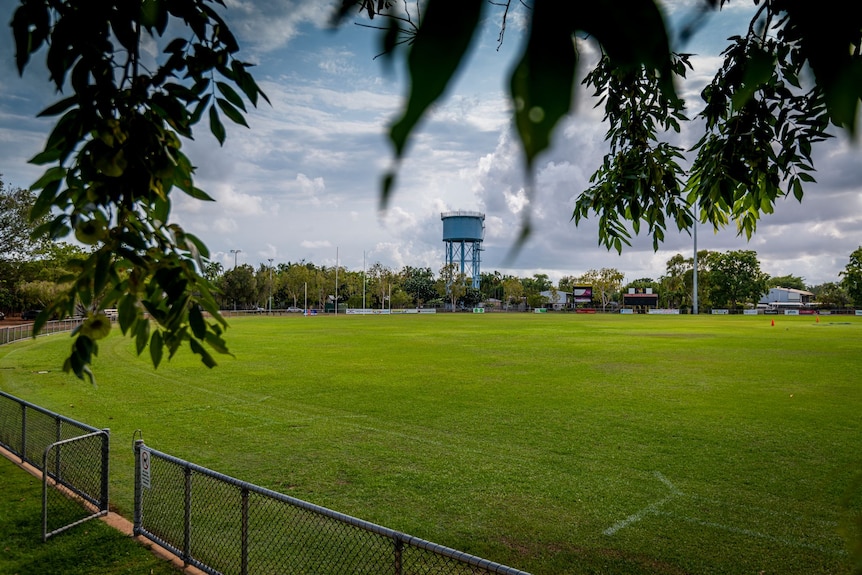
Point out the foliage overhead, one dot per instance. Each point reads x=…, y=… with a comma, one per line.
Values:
x=764, y=110
x=114, y=157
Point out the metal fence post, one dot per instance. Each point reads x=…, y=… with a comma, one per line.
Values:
x=106, y=452
x=58, y=436
x=187, y=520
x=137, y=514
x=399, y=548
x=23, y=453
x=244, y=535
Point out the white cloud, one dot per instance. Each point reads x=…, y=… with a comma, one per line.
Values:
x=314, y=244
x=224, y=225
x=239, y=203
x=269, y=25
x=310, y=190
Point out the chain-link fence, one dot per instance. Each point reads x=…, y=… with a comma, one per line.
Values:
x=226, y=526
x=72, y=456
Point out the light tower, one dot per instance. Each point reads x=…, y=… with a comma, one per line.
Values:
x=463, y=233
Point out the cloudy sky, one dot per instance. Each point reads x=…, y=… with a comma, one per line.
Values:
x=303, y=183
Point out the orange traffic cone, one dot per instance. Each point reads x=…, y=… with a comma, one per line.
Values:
x=818, y=319
x=773, y=323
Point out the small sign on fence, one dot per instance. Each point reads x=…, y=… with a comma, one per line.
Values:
x=145, y=468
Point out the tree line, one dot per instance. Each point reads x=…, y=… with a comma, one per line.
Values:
x=33, y=272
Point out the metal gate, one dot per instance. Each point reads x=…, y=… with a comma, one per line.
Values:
x=74, y=482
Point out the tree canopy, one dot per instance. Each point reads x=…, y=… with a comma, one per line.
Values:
x=736, y=278
x=114, y=156
x=852, y=276
x=16, y=227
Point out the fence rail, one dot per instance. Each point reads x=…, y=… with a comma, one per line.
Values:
x=25, y=330
x=223, y=525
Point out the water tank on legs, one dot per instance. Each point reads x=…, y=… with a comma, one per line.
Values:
x=463, y=233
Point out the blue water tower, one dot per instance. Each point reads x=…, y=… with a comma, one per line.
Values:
x=463, y=233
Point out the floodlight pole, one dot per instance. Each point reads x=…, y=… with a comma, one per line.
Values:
x=363, y=281
x=694, y=269
x=270, y=283
x=336, y=280
x=234, y=252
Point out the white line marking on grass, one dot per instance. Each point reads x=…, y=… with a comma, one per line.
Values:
x=651, y=508
x=655, y=509
x=827, y=523
x=757, y=535
x=667, y=482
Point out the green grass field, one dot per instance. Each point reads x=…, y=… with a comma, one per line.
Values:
x=551, y=443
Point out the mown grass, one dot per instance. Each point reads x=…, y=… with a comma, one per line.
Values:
x=556, y=444
x=91, y=548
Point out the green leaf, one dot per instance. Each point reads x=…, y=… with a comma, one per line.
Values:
x=51, y=175
x=58, y=107
x=217, y=343
x=231, y=95
x=201, y=247
x=84, y=345
x=156, y=348
x=197, y=323
x=197, y=193
x=152, y=13
x=206, y=358
x=127, y=311
x=797, y=189
x=542, y=82
x=101, y=270
x=386, y=189
x=176, y=46
x=199, y=110
x=30, y=27
x=246, y=82
x=758, y=70
x=142, y=335
x=216, y=127
x=231, y=112
x=438, y=50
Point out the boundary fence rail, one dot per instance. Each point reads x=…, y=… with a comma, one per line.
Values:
x=72, y=456
x=25, y=330
x=222, y=525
